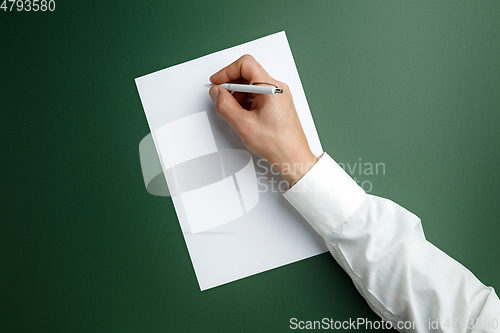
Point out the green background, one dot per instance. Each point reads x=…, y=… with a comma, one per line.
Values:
x=84, y=247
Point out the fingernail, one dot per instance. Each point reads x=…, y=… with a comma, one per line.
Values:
x=214, y=92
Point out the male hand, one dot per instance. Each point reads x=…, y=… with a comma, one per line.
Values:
x=269, y=125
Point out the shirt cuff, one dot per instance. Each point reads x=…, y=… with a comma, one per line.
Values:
x=326, y=196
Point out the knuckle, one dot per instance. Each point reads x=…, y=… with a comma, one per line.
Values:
x=286, y=89
x=247, y=57
x=282, y=85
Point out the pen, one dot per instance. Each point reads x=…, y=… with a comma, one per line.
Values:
x=249, y=88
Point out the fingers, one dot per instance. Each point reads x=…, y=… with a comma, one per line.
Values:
x=228, y=107
x=245, y=67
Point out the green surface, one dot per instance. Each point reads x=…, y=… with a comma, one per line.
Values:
x=84, y=247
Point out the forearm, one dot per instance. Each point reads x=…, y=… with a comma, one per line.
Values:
x=382, y=247
x=403, y=276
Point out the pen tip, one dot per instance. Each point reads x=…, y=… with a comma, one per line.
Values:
x=208, y=85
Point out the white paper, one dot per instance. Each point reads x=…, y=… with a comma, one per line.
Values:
x=185, y=139
x=211, y=206
x=234, y=218
x=247, y=184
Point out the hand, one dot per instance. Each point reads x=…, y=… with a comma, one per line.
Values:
x=269, y=125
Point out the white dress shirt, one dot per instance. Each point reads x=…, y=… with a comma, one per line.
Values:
x=404, y=278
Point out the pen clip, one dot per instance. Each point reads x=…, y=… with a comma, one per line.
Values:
x=278, y=91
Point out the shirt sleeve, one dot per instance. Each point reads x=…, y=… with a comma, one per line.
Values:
x=381, y=245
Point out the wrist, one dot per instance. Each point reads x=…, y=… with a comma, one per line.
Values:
x=294, y=168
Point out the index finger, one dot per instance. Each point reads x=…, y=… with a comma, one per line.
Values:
x=245, y=67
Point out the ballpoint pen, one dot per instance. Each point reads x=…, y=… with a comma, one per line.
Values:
x=250, y=88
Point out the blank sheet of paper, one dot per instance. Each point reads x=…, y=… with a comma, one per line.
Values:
x=233, y=216
x=185, y=139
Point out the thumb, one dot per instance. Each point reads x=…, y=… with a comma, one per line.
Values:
x=228, y=107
